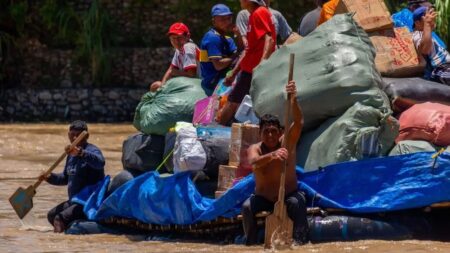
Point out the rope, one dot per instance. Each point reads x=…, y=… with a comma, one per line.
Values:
x=165, y=160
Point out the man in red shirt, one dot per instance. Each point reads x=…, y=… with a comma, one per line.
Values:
x=261, y=38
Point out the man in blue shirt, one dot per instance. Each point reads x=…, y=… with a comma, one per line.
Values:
x=217, y=51
x=84, y=167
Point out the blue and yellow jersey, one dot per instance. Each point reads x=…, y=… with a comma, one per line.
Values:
x=214, y=46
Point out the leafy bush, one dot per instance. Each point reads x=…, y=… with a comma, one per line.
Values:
x=443, y=26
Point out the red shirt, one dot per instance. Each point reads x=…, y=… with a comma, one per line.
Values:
x=259, y=24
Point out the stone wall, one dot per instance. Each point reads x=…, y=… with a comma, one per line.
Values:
x=47, y=67
x=44, y=79
x=93, y=105
x=139, y=55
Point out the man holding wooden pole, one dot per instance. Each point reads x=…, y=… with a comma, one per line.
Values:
x=84, y=167
x=268, y=159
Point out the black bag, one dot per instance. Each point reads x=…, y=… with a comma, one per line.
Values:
x=142, y=152
x=170, y=140
x=405, y=92
x=217, y=153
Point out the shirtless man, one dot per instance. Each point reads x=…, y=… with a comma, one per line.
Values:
x=267, y=158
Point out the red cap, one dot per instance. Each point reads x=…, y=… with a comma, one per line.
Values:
x=178, y=29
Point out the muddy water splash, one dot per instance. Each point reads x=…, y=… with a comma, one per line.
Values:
x=26, y=150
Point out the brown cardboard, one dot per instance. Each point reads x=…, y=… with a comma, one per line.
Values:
x=396, y=53
x=371, y=15
x=218, y=194
x=242, y=136
x=226, y=176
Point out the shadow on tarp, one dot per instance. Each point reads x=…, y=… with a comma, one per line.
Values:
x=368, y=186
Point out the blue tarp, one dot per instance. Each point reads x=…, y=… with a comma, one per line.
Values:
x=373, y=185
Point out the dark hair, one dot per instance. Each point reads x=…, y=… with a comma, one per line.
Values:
x=78, y=125
x=268, y=119
x=321, y=2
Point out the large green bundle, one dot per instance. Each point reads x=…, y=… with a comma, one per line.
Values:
x=362, y=132
x=159, y=111
x=412, y=146
x=334, y=69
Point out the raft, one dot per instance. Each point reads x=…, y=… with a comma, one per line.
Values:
x=391, y=198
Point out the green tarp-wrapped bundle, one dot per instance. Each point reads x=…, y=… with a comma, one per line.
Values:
x=334, y=69
x=362, y=132
x=412, y=146
x=174, y=101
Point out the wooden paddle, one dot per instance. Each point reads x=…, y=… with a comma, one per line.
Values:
x=22, y=199
x=279, y=226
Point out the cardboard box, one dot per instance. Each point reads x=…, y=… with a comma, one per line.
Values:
x=396, y=53
x=226, y=176
x=218, y=194
x=242, y=136
x=371, y=15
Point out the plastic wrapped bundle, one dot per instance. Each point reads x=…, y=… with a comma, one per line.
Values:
x=334, y=69
x=362, y=132
x=406, y=92
x=174, y=101
x=410, y=147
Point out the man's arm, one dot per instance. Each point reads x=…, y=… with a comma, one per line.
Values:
x=285, y=31
x=426, y=44
x=167, y=75
x=230, y=78
x=259, y=161
x=220, y=64
x=58, y=178
x=268, y=45
x=297, y=113
x=94, y=158
x=191, y=72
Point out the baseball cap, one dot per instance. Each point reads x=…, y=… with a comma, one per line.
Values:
x=220, y=10
x=416, y=1
x=260, y=2
x=178, y=29
x=419, y=13
x=415, y=4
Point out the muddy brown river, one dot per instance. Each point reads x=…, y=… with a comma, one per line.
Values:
x=27, y=149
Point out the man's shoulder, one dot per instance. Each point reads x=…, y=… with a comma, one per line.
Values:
x=211, y=37
x=262, y=13
x=92, y=147
x=190, y=47
x=243, y=14
x=275, y=13
x=256, y=145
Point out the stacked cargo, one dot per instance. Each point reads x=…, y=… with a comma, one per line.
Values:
x=242, y=136
x=396, y=54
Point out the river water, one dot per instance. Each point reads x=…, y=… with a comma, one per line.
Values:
x=27, y=149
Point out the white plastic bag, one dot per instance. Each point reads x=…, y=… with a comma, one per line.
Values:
x=189, y=154
x=245, y=112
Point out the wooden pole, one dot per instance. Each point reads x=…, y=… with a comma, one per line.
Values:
x=279, y=226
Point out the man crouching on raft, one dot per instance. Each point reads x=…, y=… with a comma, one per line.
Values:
x=267, y=158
